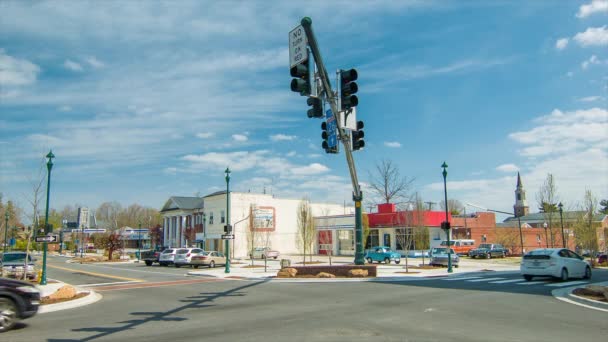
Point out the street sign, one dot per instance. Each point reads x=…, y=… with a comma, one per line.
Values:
x=348, y=118
x=332, y=127
x=297, y=46
x=48, y=238
x=227, y=236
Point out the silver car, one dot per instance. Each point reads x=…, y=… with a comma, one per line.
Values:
x=167, y=257
x=183, y=256
x=439, y=257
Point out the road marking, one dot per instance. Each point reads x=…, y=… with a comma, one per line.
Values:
x=532, y=283
x=461, y=278
x=131, y=270
x=567, y=283
x=106, y=284
x=505, y=281
x=96, y=274
x=484, y=279
x=155, y=284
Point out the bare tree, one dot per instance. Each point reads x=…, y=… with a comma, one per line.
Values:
x=508, y=238
x=306, y=228
x=547, y=201
x=37, y=188
x=585, y=227
x=404, y=233
x=455, y=207
x=388, y=184
x=421, y=231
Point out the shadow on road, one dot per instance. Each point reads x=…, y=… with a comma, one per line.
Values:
x=203, y=300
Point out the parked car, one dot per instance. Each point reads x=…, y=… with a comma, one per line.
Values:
x=460, y=246
x=13, y=263
x=210, y=259
x=183, y=256
x=152, y=256
x=554, y=262
x=602, y=258
x=439, y=257
x=167, y=256
x=381, y=254
x=264, y=253
x=489, y=250
x=18, y=300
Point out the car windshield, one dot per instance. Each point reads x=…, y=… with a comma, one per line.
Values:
x=13, y=257
x=485, y=245
x=439, y=250
x=541, y=252
x=167, y=251
x=182, y=251
x=205, y=253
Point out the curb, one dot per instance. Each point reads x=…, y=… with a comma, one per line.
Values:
x=566, y=295
x=71, y=304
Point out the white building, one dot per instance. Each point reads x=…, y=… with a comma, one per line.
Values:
x=274, y=221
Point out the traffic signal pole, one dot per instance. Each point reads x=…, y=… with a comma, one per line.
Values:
x=342, y=135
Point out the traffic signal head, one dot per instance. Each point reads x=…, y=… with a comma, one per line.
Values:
x=357, y=137
x=348, y=88
x=325, y=135
x=445, y=225
x=301, y=82
x=317, y=107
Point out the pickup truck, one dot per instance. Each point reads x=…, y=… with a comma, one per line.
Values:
x=488, y=250
x=380, y=254
x=151, y=256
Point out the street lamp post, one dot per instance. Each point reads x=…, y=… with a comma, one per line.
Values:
x=49, y=166
x=6, y=217
x=139, y=243
x=447, y=222
x=228, y=230
x=546, y=236
x=64, y=223
x=561, y=218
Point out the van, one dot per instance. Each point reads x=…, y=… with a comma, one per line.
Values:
x=460, y=246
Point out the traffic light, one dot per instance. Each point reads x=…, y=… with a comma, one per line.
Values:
x=445, y=225
x=348, y=87
x=301, y=84
x=357, y=136
x=317, y=107
x=325, y=135
x=227, y=229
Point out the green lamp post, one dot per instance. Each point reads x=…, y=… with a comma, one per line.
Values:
x=446, y=224
x=49, y=166
x=6, y=217
x=228, y=228
x=561, y=218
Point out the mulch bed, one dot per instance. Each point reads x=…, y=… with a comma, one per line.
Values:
x=47, y=300
x=583, y=292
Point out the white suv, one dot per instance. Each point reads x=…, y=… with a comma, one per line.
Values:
x=183, y=256
x=167, y=256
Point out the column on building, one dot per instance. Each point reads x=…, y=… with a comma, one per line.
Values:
x=165, y=230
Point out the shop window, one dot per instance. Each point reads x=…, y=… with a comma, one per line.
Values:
x=211, y=218
x=372, y=239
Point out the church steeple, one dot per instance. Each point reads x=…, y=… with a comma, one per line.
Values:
x=521, y=205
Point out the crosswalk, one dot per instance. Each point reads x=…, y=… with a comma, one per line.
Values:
x=500, y=280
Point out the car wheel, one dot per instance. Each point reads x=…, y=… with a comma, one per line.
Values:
x=370, y=261
x=387, y=261
x=177, y=266
x=527, y=277
x=212, y=264
x=504, y=255
x=587, y=273
x=162, y=264
x=148, y=263
x=397, y=261
x=488, y=256
x=263, y=256
x=456, y=266
x=564, y=275
x=195, y=266
x=8, y=314
x=275, y=258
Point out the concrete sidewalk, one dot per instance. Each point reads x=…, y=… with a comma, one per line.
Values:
x=53, y=286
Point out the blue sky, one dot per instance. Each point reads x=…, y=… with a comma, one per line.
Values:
x=143, y=100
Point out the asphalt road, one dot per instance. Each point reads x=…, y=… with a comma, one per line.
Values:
x=177, y=308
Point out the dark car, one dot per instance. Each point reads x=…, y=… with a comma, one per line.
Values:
x=18, y=300
x=602, y=258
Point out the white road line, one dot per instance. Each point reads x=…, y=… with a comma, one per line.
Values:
x=505, y=281
x=569, y=283
x=484, y=279
x=531, y=283
x=140, y=271
x=461, y=278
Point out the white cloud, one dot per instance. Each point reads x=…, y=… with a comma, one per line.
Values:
x=71, y=65
x=311, y=169
x=94, y=62
x=596, y=6
x=593, y=36
x=205, y=135
x=507, y=168
x=65, y=108
x=282, y=137
x=590, y=98
x=564, y=132
x=239, y=137
x=16, y=72
x=593, y=60
x=569, y=74
x=393, y=144
x=561, y=43
x=291, y=154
